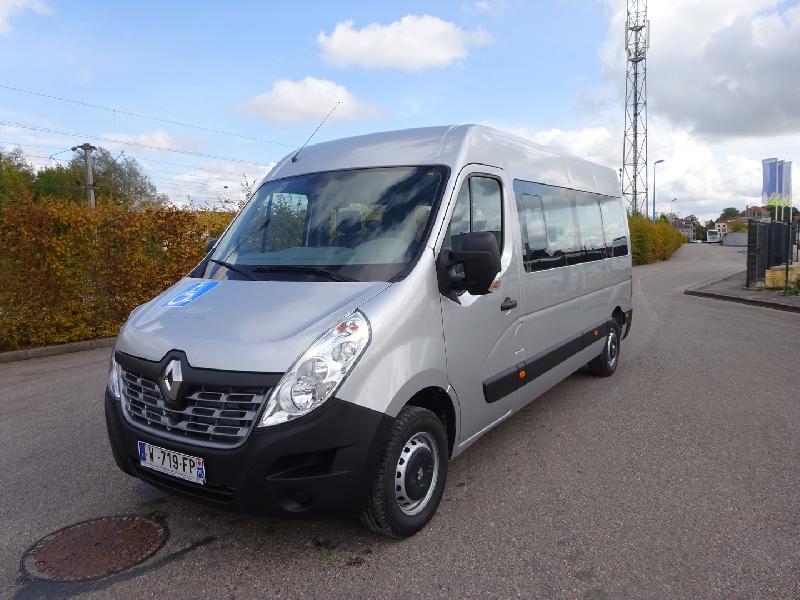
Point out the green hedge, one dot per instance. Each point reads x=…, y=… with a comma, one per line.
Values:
x=68, y=273
x=650, y=241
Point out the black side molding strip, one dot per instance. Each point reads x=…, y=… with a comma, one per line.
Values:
x=510, y=380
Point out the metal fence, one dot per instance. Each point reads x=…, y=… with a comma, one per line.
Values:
x=767, y=246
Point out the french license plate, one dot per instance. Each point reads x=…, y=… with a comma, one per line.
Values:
x=177, y=464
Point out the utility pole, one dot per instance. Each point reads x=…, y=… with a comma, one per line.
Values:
x=634, y=153
x=87, y=153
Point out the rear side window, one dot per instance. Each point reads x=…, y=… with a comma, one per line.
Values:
x=562, y=230
x=534, y=233
x=590, y=225
x=561, y=227
x=614, y=219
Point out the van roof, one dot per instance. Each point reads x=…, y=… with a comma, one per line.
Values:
x=453, y=146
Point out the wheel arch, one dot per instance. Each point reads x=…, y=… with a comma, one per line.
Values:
x=619, y=316
x=439, y=402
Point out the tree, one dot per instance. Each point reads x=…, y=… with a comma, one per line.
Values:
x=120, y=179
x=729, y=213
x=774, y=212
x=122, y=182
x=16, y=175
x=699, y=232
x=737, y=227
x=60, y=181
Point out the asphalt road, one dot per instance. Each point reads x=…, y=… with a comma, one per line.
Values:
x=676, y=478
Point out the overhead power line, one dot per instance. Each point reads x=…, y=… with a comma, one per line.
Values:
x=34, y=145
x=198, y=167
x=143, y=116
x=128, y=143
x=230, y=177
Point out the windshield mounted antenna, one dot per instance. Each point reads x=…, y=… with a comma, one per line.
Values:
x=296, y=154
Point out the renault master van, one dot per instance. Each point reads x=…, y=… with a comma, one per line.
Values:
x=380, y=303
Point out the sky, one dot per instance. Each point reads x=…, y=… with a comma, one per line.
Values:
x=222, y=91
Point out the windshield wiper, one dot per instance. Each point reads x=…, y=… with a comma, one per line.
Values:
x=333, y=275
x=228, y=265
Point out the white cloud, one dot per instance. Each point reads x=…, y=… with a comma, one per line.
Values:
x=212, y=185
x=157, y=139
x=703, y=177
x=496, y=9
x=9, y=8
x=720, y=67
x=413, y=43
x=308, y=99
x=721, y=96
x=591, y=143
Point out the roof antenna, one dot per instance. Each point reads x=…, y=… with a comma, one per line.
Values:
x=296, y=154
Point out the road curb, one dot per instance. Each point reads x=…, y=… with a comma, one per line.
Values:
x=740, y=300
x=716, y=279
x=41, y=351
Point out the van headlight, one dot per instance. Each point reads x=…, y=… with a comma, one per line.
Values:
x=317, y=374
x=115, y=379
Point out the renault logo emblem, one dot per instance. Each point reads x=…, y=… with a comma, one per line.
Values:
x=172, y=379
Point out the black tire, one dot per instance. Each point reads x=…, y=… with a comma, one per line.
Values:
x=413, y=433
x=605, y=364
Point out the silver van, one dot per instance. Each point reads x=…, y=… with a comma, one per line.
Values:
x=380, y=303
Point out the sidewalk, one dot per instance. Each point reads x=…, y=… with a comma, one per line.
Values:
x=40, y=351
x=732, y=289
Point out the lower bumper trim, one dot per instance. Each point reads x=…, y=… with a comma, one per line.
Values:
x=321, y=464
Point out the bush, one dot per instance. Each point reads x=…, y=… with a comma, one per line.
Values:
x=652, y=241
x=68, y=273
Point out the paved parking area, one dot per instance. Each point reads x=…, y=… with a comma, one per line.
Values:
x=677, y=477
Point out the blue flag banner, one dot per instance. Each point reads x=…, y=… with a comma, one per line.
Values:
x=787, y=181
x=769, y=184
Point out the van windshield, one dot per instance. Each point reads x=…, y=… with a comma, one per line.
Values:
x=359, y=224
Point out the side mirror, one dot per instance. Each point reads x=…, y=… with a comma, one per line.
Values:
x=210, y=245
x=480, y=256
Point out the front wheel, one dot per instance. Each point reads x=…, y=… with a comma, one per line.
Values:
x=411, y=475
x=606, y=362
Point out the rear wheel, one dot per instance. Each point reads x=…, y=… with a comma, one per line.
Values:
x=605, y=364
x=411, y=475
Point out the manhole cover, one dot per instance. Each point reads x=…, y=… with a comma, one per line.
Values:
x=94, y=549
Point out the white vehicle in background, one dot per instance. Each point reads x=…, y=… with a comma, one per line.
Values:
x=713, y=237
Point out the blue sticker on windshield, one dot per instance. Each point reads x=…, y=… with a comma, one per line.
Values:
x=190, y=294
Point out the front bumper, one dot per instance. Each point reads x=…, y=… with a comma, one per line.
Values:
x=320, y=464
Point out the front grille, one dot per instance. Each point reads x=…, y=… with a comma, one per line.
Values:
x=210, y=415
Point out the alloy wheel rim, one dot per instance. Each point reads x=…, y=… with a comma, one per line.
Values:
x=613, y=348
x=416, y=473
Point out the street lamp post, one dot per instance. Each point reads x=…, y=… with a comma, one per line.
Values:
x=672, y=210
x=654, y=187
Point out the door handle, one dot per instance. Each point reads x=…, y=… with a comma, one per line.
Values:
x=508, y=304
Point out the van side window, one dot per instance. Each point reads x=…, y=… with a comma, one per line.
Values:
x=534, y=233
x=562, y=231
x=460, y=222
x=590, y=225
x=479, y=207
x=614, y=226
x=487, y=206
